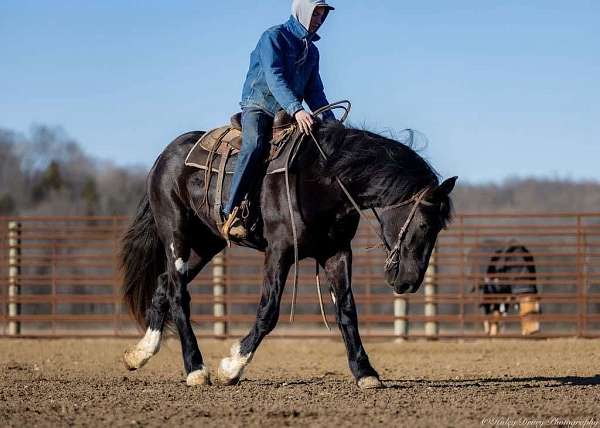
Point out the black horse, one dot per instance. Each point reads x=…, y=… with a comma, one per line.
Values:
x=171, y=240
x=507, y=270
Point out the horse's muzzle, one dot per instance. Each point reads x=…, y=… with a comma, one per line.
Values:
x=400, y=283
x=402, y=288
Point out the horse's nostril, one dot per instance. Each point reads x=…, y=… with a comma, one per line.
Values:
x=390, y=277
x=402, y=288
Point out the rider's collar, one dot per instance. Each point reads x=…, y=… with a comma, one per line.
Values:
x=299, y=31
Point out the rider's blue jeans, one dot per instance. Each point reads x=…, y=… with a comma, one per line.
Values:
x=256, y=134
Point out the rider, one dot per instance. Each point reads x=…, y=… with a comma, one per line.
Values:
x=284, y=72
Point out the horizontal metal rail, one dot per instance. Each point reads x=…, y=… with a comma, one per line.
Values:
x=59, y=277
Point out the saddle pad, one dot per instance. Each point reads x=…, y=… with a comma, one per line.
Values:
x=231, y=140
x=225, y=137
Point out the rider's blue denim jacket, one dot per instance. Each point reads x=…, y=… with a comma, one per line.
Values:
x=284, y=71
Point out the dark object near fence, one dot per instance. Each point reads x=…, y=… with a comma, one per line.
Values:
x=510, y=278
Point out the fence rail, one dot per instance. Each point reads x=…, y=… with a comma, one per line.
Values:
x=59, y=276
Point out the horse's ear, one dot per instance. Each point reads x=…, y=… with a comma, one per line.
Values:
x=445, y=188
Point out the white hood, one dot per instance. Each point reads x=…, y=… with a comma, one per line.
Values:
x=302, y=10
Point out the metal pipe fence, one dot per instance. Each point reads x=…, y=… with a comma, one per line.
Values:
x=59, y=277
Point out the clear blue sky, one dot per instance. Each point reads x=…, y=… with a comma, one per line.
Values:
x=500, y=88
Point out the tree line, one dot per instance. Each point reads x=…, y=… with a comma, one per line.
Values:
x=48, y=173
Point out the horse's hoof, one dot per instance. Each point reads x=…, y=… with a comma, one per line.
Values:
x=369, y=382
x=138, y=355
x=135, y=358
x=231, y=368
x=229, y=372
x=223, y=379
x=199, y=377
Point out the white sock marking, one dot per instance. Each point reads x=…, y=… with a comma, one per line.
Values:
x=199, y=377
x=139, y=355
x=232, y=367
x=150, y=343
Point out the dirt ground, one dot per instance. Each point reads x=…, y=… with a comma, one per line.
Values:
x=82, y=382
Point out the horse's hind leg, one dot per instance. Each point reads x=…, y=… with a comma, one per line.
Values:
x=156, y=316
x=174, y=298
x=179, y=297
x=149, y=345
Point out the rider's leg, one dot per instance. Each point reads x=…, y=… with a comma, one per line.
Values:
x=256, y=133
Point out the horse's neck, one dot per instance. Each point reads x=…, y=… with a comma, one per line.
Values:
x=364, y=193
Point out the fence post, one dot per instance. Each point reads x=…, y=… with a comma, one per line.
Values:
x=400, y=322
x=219, y=307
x=581, y=292
x=14, y=270
x=431, y=327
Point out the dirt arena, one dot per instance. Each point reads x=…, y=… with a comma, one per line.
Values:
x=305, y=383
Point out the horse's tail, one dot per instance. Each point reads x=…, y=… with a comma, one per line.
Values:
x=142, y=260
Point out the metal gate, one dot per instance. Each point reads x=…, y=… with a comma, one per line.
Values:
x=59, y=276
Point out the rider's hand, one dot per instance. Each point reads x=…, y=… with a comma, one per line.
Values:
x=305, y=121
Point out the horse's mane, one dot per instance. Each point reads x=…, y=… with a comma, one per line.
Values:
x=365, y=160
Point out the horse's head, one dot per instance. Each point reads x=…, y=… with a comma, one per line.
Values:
x=411, y=231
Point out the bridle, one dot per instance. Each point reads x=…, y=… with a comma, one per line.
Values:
x=418, y=199
x=393, y=255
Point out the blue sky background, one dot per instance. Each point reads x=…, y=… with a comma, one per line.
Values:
x=501, y=89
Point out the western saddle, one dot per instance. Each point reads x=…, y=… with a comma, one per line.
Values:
x=231, y=134
x=281, y=122
x=225, y=142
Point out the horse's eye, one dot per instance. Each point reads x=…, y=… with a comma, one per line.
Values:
x=423, y=226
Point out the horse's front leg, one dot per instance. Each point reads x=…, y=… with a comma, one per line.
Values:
x=339, y=272
x=277, y=266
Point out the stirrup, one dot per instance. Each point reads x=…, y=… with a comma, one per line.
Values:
x=233, y=227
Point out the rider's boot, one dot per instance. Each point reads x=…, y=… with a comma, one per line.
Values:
x=233, y=227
